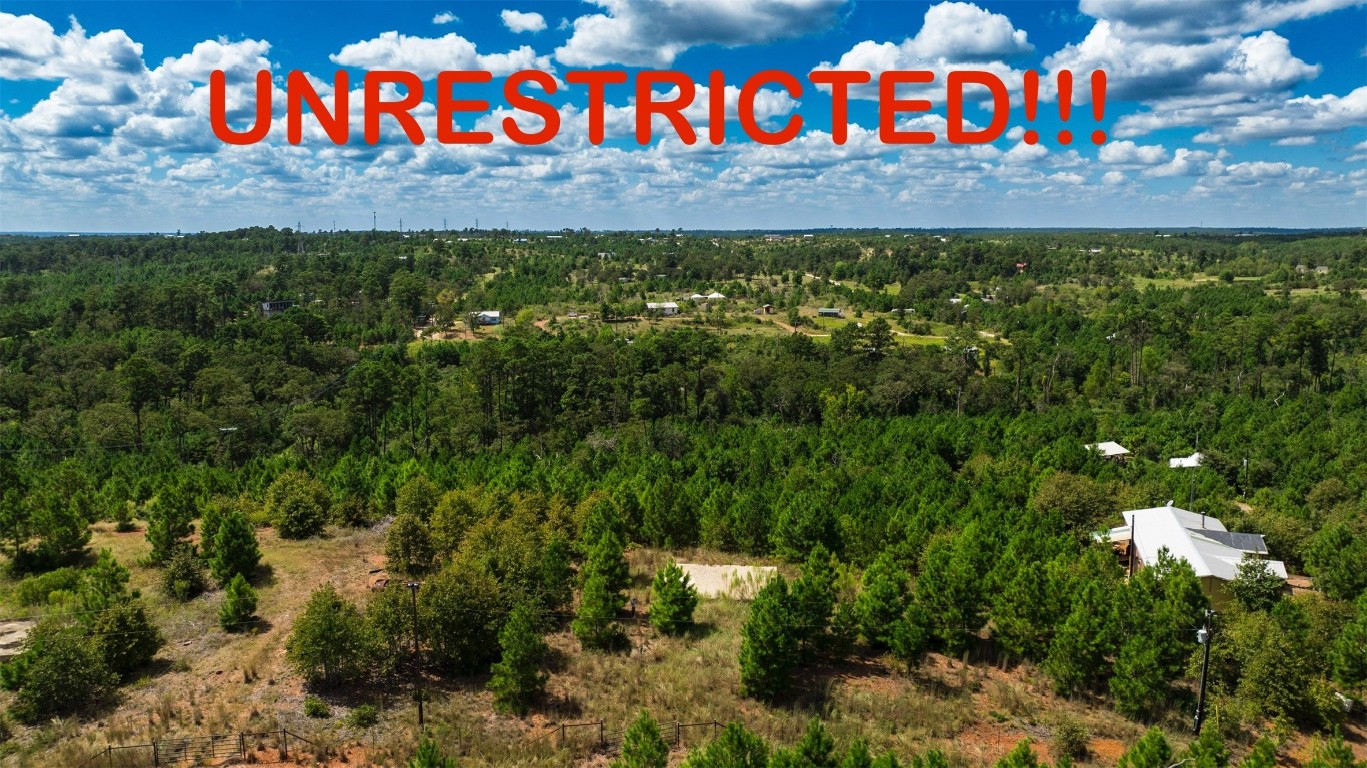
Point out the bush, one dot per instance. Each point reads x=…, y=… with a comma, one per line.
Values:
x=353, y=513
x=408, y=545
x=183, y=578
x=330, y=641
x=315, y=707
x=127, y=637
x=364, y=716
x=66, y=673
x=1071, y=739
x=297, y=505
x=34, y=590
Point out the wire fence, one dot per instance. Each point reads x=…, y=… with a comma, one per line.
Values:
x=201, y=750
x=593, y=736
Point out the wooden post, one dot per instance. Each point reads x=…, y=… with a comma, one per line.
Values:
x=678, y=735
x=602, y=738
x=242, y=745
x=284, y=744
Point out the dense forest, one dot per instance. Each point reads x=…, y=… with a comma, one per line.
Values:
x=918, y=469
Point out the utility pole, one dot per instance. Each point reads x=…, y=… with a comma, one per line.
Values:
x=374, y=220
x=1203, y=637
x=417, y=652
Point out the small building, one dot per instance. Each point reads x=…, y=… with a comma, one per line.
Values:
x=1213, y=552
x=273, y=308
x=715, y=296
x=697, y=297
x=1186, y=462
x=768, y=309
x=1321, y=270
x=830, y=312
x=774, y=238
x=663, y=308
x=1110, y=451
x=489, y=317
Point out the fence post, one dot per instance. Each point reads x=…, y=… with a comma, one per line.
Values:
x=242, y=745
x=561, y=743
x=284, y=744
x=678, y=734
x=109, y=754
x=156, y=758
x=602, y=737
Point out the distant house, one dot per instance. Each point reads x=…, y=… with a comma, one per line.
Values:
x=955, y=300
x=697, y=297
x=715, y=296
x=1321, y=270
x=1213, y=552
x=829, y=312
x=664, y=308
x=488, y=317
x=768, y=309
x=773, y=238
x=1110, y=450
x=1186, y=462
x=273, y=308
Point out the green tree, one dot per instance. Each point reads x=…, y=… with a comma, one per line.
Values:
x=1350, y=649
x=1208, y=750
x=297, y=505
x=170, y=522
x=813, y=599
x=608, y=557
x=1138, y=684
x=517, y=679
x=1081, y=644
x=816, y=748
x=417, y=497
x=429, y=755
x=672, y=600
x=462, y=609
x=1255, y=586
x=949, y=588
x=183, y=577
x=235, y=551
x=330, y=641
x=239, y=604
x=1334, y=557
x=1020, y=756
x=642, y=745
x=1263, y=755
x=1151, y=751
x=103, y=584
x=858, y=755
x=126, y=636
x=736, y=747
x=407, y=545
x=768, y=643
x=882, y=600
x=596, y=622
x=1332, y=752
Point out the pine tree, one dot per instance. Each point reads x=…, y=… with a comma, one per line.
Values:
x=1350, y=649
x=813, y=600
x=1208, y=750
x=1137, y=682
x=882, y=600
x=517, y=679
x=239, y=604
x=1263, y=755
x=949, y=589
x=858, y=756
x=608, y=557
x=210, y=518
x=642, y=745
x=910, y=637
x=817, y=748
x=170, y=523
x=1332, y=753
x=103, y=583
x=235, y=552
x=1081, y=643
x=736, y=747
x=672, y=601
x=768, y=643
x=596, y=623
x=1021, y=756
x=429, y=755
x=1151, y=751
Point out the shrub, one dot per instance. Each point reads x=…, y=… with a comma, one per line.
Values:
x=183, y=578
x=364, y=716
x=297, y=505
x=315, y=707
x=66, y=673
x=642, y=745
x=34, y=590
x=1071, y=739
x=330, y=641
x=408, y=545
x=127, y=637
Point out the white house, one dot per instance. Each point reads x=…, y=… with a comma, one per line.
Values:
x=665, y=308
x=1110, y=450
x=489, y=317
x=1203, y=541
x=714, y=296
x=1186, y=462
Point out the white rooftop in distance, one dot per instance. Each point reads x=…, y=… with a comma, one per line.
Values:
x=1109, y=449
x=1186, y=462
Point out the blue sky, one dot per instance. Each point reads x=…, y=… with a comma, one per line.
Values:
x=1220, y=113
